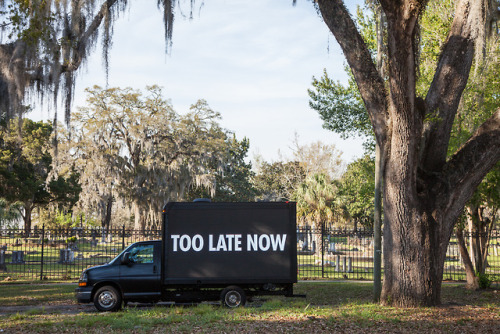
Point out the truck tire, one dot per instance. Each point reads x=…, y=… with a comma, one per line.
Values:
x=233, y=296
x=107, y=299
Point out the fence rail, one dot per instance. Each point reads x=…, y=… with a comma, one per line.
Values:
x=62, y=254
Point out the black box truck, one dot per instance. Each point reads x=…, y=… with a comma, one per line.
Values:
x=208, y=251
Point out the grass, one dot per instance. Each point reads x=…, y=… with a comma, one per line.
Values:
x=329, y=307
x=36, y=294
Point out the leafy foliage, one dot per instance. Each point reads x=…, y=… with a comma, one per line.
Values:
x=315, y=198
x=355, y=192
x=233, y=179
x=25, y=162
x=277, y=181
x=340, y=108
x=26, y=169
x=136, y=147
x=9, y=213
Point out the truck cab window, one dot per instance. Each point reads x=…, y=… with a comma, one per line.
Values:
x=141, y=254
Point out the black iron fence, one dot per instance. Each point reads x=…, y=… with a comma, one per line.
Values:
x=62, y=254
x=342, y=254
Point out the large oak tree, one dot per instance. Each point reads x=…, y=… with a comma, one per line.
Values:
x=425, y=191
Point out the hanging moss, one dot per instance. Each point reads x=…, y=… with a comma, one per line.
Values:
x=43, y=44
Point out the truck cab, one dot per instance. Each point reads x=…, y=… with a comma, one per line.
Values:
x=134, y=275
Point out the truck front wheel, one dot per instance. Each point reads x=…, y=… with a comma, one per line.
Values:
x=107, y=298
x=233, y=296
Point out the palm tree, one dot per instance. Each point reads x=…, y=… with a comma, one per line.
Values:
x=315, y=199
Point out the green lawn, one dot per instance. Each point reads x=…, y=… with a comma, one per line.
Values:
x=329, y=307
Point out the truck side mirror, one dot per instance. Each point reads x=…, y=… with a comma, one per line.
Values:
x=126, y=258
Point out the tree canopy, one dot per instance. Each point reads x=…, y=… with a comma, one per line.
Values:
x=355, y=192
x=26, y=169
x=135, y=146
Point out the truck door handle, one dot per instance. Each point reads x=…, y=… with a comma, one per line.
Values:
x=154, y=269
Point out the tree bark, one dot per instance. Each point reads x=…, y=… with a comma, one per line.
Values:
x=470, y=274
x=28, y=208
x=139, y=221
x=107, y=218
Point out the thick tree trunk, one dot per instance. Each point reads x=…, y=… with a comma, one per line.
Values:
x=412, y=245
x=414, y=253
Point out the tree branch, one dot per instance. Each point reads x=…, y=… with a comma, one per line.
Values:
x=82, y=40
x=446, y=89
x=370, y=84
x=467, y=168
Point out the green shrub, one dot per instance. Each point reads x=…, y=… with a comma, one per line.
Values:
x=71, y=240
x=484, y=281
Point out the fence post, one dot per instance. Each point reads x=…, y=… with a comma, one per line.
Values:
x=41, y=258
x=123, y=237
x=322, y=251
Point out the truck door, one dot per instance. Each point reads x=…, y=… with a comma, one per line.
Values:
x=140, y=278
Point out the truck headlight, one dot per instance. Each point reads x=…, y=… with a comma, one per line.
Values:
x=83, y=279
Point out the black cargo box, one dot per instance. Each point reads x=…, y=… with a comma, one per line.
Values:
x=216, y=243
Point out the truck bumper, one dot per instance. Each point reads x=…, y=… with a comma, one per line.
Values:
x=83, y=294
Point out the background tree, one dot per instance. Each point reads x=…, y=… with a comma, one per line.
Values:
x=278, y=180
x=424, y=191
x=355, y=192
x=25, y=162
x=233, y=179
x=137, y=147
x=9, y=213
x=318, y=158
x=315, y=204
x=480, y=218
x=343, y=112
x=27, y=177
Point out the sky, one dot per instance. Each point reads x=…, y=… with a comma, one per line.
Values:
x=252, y=61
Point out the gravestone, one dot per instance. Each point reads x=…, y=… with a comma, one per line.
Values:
x=66, y=256
x=332, y=247
x=17, y=257
x=2, y=260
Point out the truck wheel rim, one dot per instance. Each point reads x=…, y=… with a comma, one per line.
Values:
x=106, y=299
x=233, y=299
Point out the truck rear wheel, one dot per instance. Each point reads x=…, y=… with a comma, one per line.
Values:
x=233, y=296
x=107, y=299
